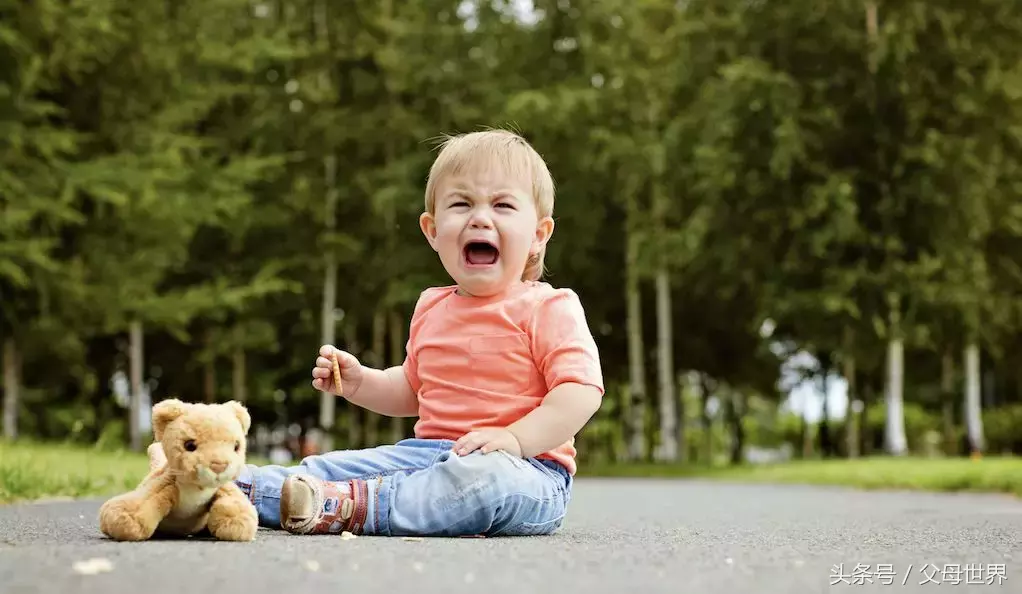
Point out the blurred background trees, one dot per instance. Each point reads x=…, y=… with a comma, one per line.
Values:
x=759, y=203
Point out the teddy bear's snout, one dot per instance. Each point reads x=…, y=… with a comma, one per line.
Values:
x=217, y=466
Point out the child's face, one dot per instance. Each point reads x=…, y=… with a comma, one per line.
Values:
x=484, y=228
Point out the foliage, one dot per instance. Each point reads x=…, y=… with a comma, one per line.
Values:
x=195, y=167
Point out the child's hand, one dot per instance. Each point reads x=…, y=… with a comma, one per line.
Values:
x=488, y=439
x=323, y=372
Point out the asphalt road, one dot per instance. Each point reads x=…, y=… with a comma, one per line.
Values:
x=621, y=535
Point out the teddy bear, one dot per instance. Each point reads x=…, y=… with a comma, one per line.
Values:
x=194, y=490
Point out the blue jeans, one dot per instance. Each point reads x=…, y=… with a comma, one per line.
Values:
x=420, y=487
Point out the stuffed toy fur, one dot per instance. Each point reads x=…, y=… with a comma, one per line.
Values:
x=205, y=446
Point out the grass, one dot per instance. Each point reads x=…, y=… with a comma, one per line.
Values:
x=991, y=474
x=31, y=471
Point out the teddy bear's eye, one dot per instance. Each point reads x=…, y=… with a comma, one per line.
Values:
x=237, y=446
x=190, y=445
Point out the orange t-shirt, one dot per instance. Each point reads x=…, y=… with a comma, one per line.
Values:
x=476, y=362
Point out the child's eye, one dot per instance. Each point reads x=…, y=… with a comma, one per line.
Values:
x=505, y=205
x=459, y=203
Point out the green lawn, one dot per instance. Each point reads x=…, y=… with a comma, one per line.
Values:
x=37, y=471
x=991, y=474
x=34, y=471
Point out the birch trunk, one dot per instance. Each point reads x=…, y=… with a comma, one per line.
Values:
x=327, y=401
x=894, y=427
x=973, y=417
x=12, y=385
x=668, y=447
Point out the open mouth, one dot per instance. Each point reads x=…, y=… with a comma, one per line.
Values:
x=481, y=253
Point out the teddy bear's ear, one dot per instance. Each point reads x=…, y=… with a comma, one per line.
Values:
x=241, y=412
x=164, y=412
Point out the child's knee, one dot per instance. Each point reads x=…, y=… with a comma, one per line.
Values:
x=504, y=490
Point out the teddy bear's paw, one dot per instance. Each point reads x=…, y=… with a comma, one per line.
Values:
x=233, y=520
x=120, y=519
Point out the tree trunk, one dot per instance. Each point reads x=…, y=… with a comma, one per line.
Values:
x=894, y=437
x=894, y=426
x=973, y=414
x=371, y=430
x=734, y=411
x=704, y=417
x=635, y=422
x=239, y=385
x=327, y=401
x=668, y=447
x=947, y=398
x=12, y=385
x=869, y=392
x=826, y=443
x=852, y=423
x=397, y=356
x=352, y=417
x=135, y=357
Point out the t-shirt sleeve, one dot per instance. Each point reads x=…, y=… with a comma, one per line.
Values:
x=563, y=346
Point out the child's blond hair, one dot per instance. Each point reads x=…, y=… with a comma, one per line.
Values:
x=517, y=157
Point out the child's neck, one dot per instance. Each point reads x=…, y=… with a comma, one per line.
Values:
x=503, y=292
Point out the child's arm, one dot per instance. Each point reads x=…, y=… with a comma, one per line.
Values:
x=383, y=391
x=386, y=392
x=563, y=413
x=567, y=356
x=392, y=391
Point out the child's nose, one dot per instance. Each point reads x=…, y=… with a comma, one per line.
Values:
x=481, y=219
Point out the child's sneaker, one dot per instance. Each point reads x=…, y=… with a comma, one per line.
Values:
x=309, y=505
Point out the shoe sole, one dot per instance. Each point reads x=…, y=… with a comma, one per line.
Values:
x=287, y=494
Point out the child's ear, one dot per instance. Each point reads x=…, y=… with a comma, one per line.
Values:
x=428, y=225
x=544, y=230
